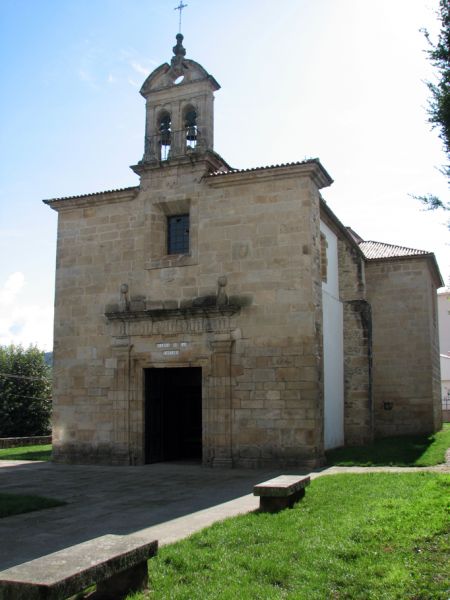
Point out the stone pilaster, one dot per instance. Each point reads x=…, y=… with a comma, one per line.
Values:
x=358, y=393
x=220, y=402
x=119, y=395
x=358, y=405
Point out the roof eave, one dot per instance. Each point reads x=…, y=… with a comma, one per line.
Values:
x=96, y=198
x=341, y=227
x=311, y=168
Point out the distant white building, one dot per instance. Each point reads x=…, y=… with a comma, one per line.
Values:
x=444, y=346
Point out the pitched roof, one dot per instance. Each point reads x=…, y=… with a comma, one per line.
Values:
x=381, y=251
x=375, y=250
x=265, y=168
x=358, y=239
x=127, y=189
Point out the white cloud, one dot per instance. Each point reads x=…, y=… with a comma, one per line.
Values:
x=111, y=78
x=130, y=54
x=12, y=287
x=84, y=75
x=139, y=68
x=132, y=82
x=20, y=322
x=126, y=54
x=89, y=78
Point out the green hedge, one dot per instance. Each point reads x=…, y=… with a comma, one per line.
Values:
x=25, y=403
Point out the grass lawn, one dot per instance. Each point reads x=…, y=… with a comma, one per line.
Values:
x=40, y=452
x=402, y=451
x=375, y=536
x=15, y=504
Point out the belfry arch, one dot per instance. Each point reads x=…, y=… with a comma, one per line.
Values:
x=190, y=126
x=164, y=128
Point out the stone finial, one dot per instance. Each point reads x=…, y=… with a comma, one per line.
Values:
x=124, y=302
x=179, y=50
x=222, y=298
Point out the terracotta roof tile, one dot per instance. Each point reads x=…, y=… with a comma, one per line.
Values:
x=374, y=250
x=281, y=165
x=127, y=189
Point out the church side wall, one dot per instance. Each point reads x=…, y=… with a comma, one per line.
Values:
x=444, y=321
x=444, y=348
x=405, y=347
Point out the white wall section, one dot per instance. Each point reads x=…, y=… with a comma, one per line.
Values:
x=333, y=347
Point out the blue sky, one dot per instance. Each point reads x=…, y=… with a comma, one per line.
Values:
x=342, y=80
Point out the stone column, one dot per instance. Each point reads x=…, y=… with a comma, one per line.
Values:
x=220, y=413
x=151, y=141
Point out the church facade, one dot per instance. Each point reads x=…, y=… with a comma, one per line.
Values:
x=227, y=315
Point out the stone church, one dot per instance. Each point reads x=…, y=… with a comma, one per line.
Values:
x=227, y=315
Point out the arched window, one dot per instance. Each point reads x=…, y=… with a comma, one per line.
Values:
x=190, y=126
x=165, y=135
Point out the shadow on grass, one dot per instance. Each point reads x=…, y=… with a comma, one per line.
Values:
x=402, y=451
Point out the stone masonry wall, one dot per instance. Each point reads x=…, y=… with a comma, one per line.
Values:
x=405, y=351
x=262, y=388
x=263, y=233
x=96, y=252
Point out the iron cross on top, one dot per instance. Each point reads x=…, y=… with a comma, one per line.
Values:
x=180, y=8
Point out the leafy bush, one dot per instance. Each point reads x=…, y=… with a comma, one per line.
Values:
x=25, y=403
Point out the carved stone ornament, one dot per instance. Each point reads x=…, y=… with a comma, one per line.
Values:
x=124, y=302
x=222, y=298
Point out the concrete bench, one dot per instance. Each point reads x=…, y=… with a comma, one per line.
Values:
x=280, y=492
x=117, y=564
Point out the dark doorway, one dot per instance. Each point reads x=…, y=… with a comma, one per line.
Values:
x=173, y=414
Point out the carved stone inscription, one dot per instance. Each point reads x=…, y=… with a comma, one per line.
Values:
x=162, y=345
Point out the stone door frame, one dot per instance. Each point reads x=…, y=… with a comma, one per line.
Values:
x=217, y=418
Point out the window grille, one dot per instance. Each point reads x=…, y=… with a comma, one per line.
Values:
x=178, y=234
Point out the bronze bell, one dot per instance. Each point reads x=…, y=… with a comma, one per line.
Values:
x=165, y=137
x=191, y=133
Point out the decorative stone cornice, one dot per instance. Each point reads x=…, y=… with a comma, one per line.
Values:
x=163, y=314
x=211, y=160
x=139, y=308
x=310, y=168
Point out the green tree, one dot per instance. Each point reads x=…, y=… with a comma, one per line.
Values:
x=439, y=104
x=25, y=404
